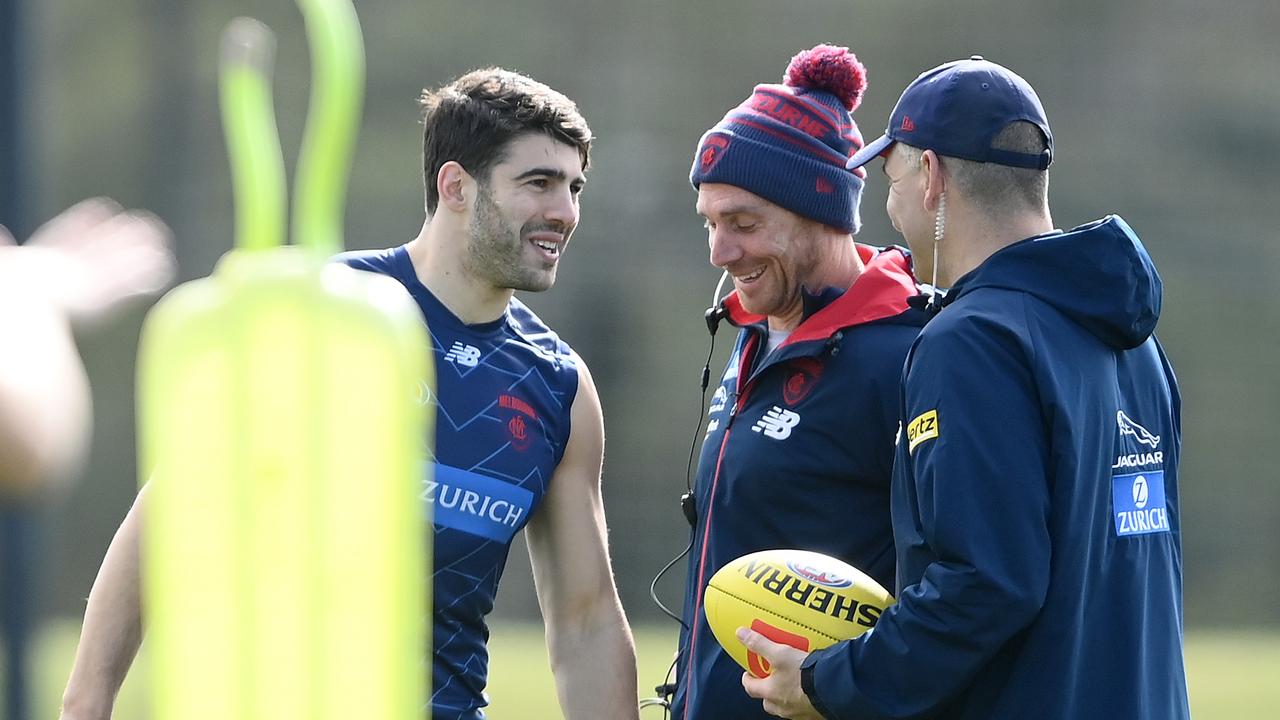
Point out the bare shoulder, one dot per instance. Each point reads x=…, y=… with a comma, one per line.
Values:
x=584, y=454
x=586, y=402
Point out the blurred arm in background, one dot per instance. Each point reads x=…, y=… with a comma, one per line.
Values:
x=44, y=392
x=76, y=271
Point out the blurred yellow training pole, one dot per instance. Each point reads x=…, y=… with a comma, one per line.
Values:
x=280, y=427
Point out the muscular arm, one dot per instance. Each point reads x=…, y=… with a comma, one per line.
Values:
x=589, y=641
x=112, y=628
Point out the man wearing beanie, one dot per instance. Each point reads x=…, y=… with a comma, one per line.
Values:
x=799, y=447
x=1035, y=493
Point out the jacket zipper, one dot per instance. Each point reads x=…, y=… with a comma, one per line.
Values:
x=744, y=390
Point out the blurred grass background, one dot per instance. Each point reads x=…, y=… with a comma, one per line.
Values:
x=1233, y=674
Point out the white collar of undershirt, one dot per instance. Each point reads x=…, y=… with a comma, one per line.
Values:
x=776, y=338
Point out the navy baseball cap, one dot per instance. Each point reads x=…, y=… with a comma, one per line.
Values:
x=957, y=109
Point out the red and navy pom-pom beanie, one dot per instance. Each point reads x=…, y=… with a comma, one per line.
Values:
x=789, y=143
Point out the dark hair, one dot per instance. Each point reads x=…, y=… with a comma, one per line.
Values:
x=993, y=187
x=472, y=120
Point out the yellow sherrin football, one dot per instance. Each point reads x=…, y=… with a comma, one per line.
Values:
x=795, y=597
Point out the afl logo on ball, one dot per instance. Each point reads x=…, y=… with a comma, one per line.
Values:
x=804, y=375
x=818, y=576
x=712, y=148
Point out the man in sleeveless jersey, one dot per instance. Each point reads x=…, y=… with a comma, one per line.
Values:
x=519, y=433
x=799, y=444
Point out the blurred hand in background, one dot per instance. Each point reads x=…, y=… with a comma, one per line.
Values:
x=78, y=270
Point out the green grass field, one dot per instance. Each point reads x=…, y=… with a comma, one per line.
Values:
x=1234, y=675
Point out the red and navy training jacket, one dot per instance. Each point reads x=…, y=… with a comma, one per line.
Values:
x=798, y=454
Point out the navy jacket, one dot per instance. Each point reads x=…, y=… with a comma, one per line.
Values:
x=1035, y=502
x=798, y=454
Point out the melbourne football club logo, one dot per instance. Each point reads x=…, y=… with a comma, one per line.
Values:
x=518, y=431
x=520, y=424
x=805, y=373
x=818, y=576
x=712, y=150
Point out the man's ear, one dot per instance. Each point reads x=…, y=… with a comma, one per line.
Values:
x=454, y=186
x=935, y=182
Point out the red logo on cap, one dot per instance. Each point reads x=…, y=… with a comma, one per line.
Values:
x=907, y=125
x=825, y=186
x=712, y=149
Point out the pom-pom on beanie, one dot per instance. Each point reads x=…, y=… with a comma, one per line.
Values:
x=789, y=143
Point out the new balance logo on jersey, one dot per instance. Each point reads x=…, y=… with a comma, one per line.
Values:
x=777, y=423
x=462, y=354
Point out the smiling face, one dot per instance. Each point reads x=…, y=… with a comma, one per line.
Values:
x=906, y=207
x=771, y=252
x=524, y=214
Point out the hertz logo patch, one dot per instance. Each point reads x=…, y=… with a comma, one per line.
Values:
x=924, y=427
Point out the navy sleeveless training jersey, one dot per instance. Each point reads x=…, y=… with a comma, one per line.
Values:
x=503, y=394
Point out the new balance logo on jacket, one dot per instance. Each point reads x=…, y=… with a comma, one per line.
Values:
x=777, y=423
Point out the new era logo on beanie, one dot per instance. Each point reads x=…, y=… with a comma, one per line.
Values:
x=789, y=143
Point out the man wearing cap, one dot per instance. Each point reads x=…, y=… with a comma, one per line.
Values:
x=799, y=448
x=1035, y=493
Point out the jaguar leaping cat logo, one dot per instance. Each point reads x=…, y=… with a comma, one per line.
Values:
x=1139, y=433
